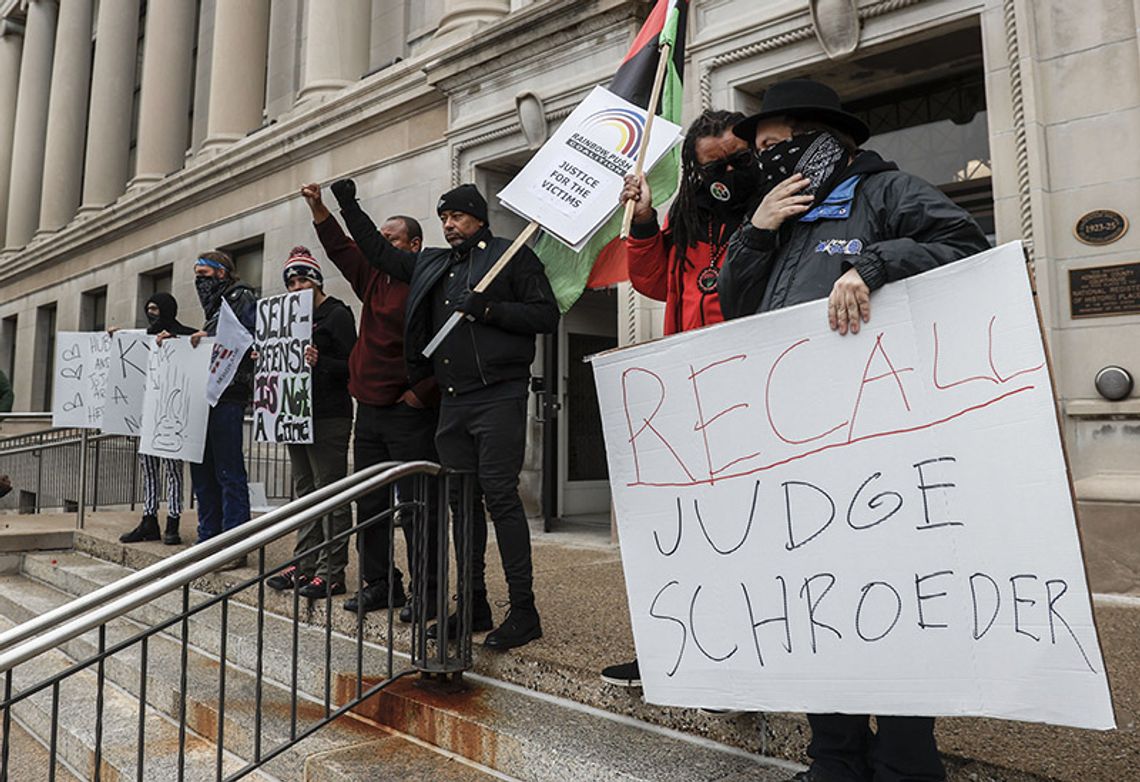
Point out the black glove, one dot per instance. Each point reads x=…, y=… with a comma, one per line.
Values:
x=475, y=305
x=344, y=191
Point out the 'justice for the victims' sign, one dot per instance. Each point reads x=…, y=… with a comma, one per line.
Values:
x=876, y=523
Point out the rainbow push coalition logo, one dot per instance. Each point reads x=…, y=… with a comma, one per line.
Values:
x=610, y=137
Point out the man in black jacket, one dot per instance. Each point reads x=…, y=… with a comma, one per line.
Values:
x=483, y=369
x=837, y=222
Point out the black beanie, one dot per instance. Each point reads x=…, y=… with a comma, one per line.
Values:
x=465, y=198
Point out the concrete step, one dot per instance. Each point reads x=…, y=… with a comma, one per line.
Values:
x=394, y=758
x=28, y=759
x=503, y=727
x=75, y=725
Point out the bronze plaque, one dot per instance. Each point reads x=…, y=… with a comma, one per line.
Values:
x=1097, y=291
x=1101, y=226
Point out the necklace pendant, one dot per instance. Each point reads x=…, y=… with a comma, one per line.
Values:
x=706, y=280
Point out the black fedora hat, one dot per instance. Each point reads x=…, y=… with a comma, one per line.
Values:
x=803, y=99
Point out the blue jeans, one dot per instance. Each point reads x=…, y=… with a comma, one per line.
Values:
x=220, y=482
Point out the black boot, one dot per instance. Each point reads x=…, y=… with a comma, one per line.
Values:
x=520, y=627
x=170, y=536
x=146, y=530
x=481, y=619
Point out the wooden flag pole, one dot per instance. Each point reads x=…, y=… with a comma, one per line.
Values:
x=453, y=320
x=666, y=52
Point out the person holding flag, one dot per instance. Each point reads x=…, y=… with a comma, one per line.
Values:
x=679, y=264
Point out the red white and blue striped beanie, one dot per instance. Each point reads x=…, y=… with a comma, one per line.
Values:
x=301, y=263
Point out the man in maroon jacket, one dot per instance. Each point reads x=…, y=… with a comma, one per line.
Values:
x=395, y=421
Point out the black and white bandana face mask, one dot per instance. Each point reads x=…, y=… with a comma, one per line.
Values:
x=817, y=155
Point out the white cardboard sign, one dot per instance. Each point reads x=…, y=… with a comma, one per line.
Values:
x=79, y=385
x=572, y=184
x=879, y=523
x=126, y=381
x=230, y=346
x=282, y=388
x=175, y=411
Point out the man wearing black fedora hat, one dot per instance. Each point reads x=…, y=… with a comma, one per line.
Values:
x=836, y=222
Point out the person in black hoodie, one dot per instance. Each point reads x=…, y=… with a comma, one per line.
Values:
x=325, y=460
x=836, y=222
x=162, y=316
x=483, y=368
x=221, y=485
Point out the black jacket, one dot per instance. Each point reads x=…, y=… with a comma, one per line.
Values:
x=334, y=334
x=895, y=225
x=243, y=301
x=477, y=354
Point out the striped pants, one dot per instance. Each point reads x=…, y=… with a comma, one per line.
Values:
x=152, y=481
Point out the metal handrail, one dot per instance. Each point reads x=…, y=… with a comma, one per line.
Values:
x=215, y=551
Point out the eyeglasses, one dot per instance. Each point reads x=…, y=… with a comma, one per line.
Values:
x=745, y=159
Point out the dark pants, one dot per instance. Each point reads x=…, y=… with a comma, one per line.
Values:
x=488, y=438
x=903, y=750
x=399, y=433
x=316, y=465
x=220, y=482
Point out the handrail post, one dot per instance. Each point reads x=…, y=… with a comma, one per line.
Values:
x=82, y=479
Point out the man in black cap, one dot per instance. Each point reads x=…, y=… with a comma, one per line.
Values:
x=483, y=369
x=837, y=222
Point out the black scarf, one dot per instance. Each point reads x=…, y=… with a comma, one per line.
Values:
x=818, y=155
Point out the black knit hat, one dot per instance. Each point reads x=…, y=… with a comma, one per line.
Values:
x=803, y=99
x=465, y=198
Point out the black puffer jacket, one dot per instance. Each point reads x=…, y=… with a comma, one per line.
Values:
x=895, y=225
x=477, y=354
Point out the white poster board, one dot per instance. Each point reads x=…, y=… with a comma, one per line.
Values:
x=175, y=411
x=879, y=523
x=126, y=381
x=282, y=389
x=573, y=183
x=79, y=382
x=230, y=346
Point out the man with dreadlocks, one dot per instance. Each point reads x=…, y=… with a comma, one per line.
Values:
x=680, y=263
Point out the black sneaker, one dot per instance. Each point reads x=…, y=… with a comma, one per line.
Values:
x=410, y=607
x=375, y=597
x=318, y=587
x=520, y=627
x=622, y=674
x=812, y=775
x=286, y=579
x=481, y=619
x=146, y=530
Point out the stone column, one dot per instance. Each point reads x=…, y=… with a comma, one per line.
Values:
x=237, y=71
x=164, y=100
x=336, y=46
x=463, y=17
x=11, y=45
x=112, y=93
x=31, y=123
x=67, y=115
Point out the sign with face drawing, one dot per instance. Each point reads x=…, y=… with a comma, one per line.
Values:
x=79, y=385
x=175, y=411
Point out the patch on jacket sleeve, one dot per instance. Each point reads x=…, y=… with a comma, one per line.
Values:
x=840, y=246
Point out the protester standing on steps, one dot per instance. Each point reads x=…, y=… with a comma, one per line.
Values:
x=320, y=572
x=221, y=486
x=483, y=369
x=679, y=264
x=6, y=395
x=837, y=222
x=395, y=418
x=162, y=316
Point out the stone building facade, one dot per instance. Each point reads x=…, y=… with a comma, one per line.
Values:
x=135, y=133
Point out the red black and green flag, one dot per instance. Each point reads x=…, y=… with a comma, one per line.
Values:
x=601, y=262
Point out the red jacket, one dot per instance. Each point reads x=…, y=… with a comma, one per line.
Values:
x=655, y=272
x=377, y=374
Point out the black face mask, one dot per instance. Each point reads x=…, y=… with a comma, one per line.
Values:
x=817, y=155
x=153, y=320
x=725, y=186
x=210, y=292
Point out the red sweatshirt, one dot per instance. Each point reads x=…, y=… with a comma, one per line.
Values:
x=377, y=374
x=655, y=272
